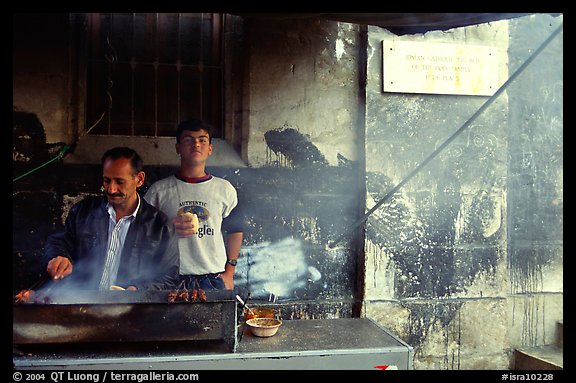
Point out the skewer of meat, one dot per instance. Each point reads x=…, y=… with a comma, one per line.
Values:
x=182, y=294
x=24, y=296
x=27, y=295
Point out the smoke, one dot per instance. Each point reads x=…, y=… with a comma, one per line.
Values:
x=276, y=269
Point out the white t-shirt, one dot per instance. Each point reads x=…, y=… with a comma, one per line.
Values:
x=212, y=201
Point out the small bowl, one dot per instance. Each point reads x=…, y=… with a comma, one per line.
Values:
x=264, y=327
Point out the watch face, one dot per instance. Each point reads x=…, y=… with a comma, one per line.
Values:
x=233, y=262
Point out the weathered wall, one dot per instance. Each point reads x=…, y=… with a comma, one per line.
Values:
x=301, y=186
x=440, y=242
x=444, y=253
x=302, y=75
x=535, y=185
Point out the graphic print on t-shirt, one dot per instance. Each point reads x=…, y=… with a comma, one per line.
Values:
x=202, y=213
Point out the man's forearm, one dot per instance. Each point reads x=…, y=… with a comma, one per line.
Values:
x=233, y=245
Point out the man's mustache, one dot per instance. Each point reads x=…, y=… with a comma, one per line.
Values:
x=115, y=194
x=111, y=194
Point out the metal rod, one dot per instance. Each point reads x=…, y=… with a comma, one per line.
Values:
x=40, y=282
x=452, y=137
x=244, y=304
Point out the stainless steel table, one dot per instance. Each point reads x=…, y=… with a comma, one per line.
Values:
x=317, y=344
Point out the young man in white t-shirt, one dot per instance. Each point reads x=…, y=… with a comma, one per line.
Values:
x=207, y=257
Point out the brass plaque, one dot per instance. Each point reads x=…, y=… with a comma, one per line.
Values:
x=440, y=68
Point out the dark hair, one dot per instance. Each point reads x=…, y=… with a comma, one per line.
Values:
x=125, y=152
x=193, y=125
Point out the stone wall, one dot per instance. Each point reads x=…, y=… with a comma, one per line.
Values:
x=444, y=254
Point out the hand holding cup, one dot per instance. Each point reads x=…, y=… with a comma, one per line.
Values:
x=186, y=224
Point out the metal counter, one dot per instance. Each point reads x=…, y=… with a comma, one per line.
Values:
x=316, y=344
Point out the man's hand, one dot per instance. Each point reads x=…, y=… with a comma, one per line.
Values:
x=228, y=278
x=59, y=267
x=186, y=224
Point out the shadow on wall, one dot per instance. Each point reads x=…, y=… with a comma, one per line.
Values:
x=33, y=208
x=29, y=141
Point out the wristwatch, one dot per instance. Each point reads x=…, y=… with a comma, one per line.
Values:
x=232, y=262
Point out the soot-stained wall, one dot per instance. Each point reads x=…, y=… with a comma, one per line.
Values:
x=442, y=236
x=482, y=220
x=304, y=181
x=292, y=215
x=535, y=182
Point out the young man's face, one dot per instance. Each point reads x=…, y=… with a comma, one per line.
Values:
x=120, y=182
x=194, y=147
